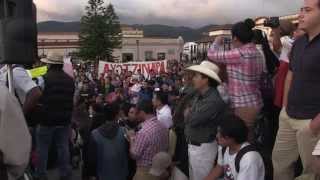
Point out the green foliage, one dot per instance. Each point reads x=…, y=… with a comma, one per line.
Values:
x=100, y=32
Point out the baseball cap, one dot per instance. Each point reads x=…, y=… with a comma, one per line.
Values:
x=160, y=163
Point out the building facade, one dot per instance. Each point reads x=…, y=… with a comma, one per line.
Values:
x=135, y=47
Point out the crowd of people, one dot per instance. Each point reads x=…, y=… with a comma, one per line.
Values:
x=247, y=113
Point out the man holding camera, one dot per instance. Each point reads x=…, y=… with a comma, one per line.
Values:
x=296, y=137
x=284, y=34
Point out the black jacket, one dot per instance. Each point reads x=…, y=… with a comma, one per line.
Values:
x=57, y=98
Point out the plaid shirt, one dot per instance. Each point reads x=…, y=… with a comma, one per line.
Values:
x=152, y=138
x=245, y=66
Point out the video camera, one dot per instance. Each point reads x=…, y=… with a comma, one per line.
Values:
x=272, y=22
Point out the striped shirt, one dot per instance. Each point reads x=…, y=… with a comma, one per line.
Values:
x=152, y=138
x=245, y=66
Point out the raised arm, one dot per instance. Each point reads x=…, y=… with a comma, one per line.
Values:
x=217, y=55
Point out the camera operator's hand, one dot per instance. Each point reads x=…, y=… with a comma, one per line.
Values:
x=276, y=42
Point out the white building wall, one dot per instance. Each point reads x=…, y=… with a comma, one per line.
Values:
x=136, y=46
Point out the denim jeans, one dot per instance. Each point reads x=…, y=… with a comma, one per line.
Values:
x=60, y=136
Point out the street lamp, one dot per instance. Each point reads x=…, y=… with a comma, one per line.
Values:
x=138, y=51
x=180, y=43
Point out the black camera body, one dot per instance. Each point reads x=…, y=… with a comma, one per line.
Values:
x=272, y=22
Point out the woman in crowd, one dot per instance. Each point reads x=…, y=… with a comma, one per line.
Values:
x=245, y=66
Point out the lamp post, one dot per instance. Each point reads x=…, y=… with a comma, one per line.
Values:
x=180, y=44
x=138, y=50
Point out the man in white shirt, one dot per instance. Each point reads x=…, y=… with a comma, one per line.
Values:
x=15, y=139
x=164, y=114
x=237, y=159
x=25, y=88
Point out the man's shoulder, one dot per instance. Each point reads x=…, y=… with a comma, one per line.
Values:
x=250, y=155
x=300, y=41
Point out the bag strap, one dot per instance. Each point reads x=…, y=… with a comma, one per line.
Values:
x=7, y=82
x=241, y=153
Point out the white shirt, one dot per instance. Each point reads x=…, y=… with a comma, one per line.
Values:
x=164, y=115
x=251, y=165
x=286, y=42
x=22, y=82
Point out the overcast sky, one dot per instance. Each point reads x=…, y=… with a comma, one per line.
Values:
x=193, y=13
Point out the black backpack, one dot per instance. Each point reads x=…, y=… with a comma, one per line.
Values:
x=245, y=150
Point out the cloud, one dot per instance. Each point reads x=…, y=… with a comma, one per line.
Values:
x=173, y=12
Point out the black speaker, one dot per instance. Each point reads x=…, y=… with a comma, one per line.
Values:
x=18, y=32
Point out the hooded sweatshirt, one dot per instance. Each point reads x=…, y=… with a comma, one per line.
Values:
x=108, y=153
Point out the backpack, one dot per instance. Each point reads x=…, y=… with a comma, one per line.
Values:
x=245, y=150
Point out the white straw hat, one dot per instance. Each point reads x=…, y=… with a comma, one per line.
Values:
x=53, y=58
x=207, y=68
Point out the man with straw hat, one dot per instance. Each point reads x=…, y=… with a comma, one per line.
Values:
x=202, y=120
x=57, y=103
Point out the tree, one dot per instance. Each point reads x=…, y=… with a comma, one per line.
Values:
x=100, y=32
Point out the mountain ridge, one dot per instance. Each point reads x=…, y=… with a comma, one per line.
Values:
x=151, y=30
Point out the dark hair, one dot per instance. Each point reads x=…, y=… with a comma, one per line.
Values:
x=111, y=111
x=162, y=97
x=125, y=107
x=211, y=82
x=272, y=62
x=145, y=106
x=56, y=66
x=243, y=31
x=234, y=128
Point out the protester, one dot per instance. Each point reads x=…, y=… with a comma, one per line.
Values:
x=27, y=92
x=57, y=103
x=283, y=38
x=151, y=139
x=130, y=122
x=15, y=142
x=294, y=137
x=146, y=90
x=164, y=114
x=139, y=75
x=245, y=66
x=237, y=159
x=202, y=120
x=108, y=86
x=108, y=148
x=180, y=158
